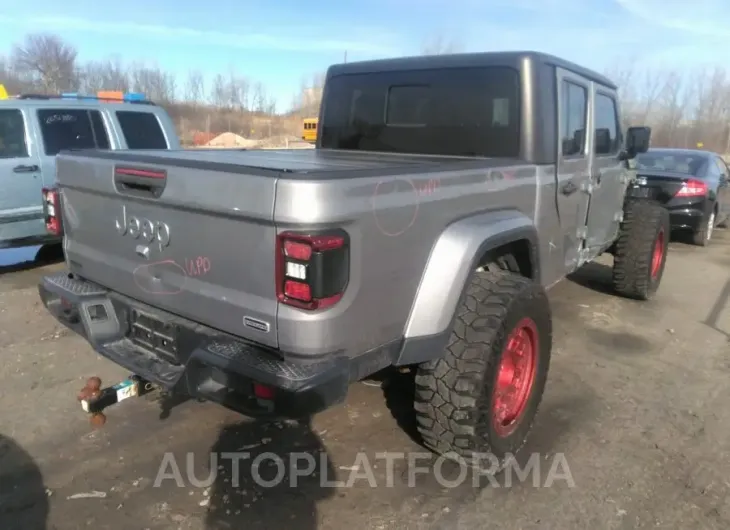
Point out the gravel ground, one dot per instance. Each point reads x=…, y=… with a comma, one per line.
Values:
x=634, y=431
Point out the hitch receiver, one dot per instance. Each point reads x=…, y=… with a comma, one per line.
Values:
x=95, y=399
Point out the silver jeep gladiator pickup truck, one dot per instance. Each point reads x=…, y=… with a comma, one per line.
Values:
x=444, y=196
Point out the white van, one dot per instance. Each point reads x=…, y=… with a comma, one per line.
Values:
x=34, y=128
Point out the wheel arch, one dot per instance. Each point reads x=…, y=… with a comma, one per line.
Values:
x=461, y=249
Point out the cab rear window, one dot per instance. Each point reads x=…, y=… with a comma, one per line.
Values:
x=141, y=130
x=63, y=129
x=459, y=111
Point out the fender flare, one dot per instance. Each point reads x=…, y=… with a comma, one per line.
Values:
x=450, y=265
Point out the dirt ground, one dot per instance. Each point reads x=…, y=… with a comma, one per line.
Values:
x=637, y=403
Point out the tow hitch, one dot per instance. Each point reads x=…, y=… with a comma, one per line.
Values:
x=95, y=399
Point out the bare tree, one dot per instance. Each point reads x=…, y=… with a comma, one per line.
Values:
x=259, y=98
x=47, y=62
x=233, y=102
x=233, y=91
x=9, y=77
x=218, y=93
x=154, y=83
x=104, y=75
x=195, y=87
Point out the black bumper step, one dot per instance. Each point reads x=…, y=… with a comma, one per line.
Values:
x=209, y=364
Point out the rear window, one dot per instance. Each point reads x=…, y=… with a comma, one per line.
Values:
x=141, y=130
x=459, y=112
x=679, y=163
x=72, y=129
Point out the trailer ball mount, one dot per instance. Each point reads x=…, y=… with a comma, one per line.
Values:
x=94, y=399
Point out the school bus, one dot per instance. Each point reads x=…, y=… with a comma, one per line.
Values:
x=309, y=129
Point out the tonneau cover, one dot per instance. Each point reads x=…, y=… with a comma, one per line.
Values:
x=294, y=161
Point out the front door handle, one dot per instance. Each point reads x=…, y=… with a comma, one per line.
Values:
x=569, y=188
x=25, y=169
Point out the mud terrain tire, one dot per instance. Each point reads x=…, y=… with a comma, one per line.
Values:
x=457, y=395
x=641, y=250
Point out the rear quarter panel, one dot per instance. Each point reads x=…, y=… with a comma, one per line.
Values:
x=394, y=222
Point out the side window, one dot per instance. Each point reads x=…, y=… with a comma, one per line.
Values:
x=12, y=134
x=65, y=129
x=97, y=124
x=711, y=168
x=141, y=130
x=573, y=118
x=607, y=139
x=721, y=166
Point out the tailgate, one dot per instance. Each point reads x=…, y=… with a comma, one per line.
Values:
x=199, y=244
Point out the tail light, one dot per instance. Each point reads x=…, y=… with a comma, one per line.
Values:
x=312, y=270
x=692, y=188
x=52, y=211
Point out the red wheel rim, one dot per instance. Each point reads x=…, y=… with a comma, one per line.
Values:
x=515, y=377
x=658, y=255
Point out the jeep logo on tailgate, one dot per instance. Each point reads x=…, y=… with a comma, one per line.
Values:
x=150, y=231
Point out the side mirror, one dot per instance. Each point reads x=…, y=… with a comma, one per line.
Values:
x=637, y=141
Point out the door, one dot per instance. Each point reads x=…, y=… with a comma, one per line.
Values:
x=21, y=210
x=61, y=128
x=573, y=165
x=607, y=172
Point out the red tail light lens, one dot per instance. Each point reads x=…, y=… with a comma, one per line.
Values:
x=692, y=188
x=263, y=391
x=297, y=290
x=312, y=271
x=297, y=250
x=52, y=211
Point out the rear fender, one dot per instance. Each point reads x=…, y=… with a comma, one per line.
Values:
x=454, y=257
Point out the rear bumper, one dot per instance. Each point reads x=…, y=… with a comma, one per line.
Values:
x=685, y=218
x=207, y=364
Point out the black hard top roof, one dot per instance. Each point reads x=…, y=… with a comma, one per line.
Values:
x=466, y=60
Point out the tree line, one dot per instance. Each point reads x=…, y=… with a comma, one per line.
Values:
x=684, y=109
x=45, y=63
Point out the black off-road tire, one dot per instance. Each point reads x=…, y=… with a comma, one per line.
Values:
x=454, y=394
x=644, y=230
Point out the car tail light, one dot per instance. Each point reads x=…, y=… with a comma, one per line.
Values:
x=52, y=211
x=312, y=270
x=263, y=391
x=692, y=188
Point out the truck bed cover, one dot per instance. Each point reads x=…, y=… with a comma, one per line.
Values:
x=303, y=162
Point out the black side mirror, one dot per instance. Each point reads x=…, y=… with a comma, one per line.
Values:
x=637, y=141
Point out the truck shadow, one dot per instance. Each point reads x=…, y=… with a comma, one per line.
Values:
x=23, y=498
x=594, y=276
x=714, y=315
x=270, y=482
x=399, y=392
